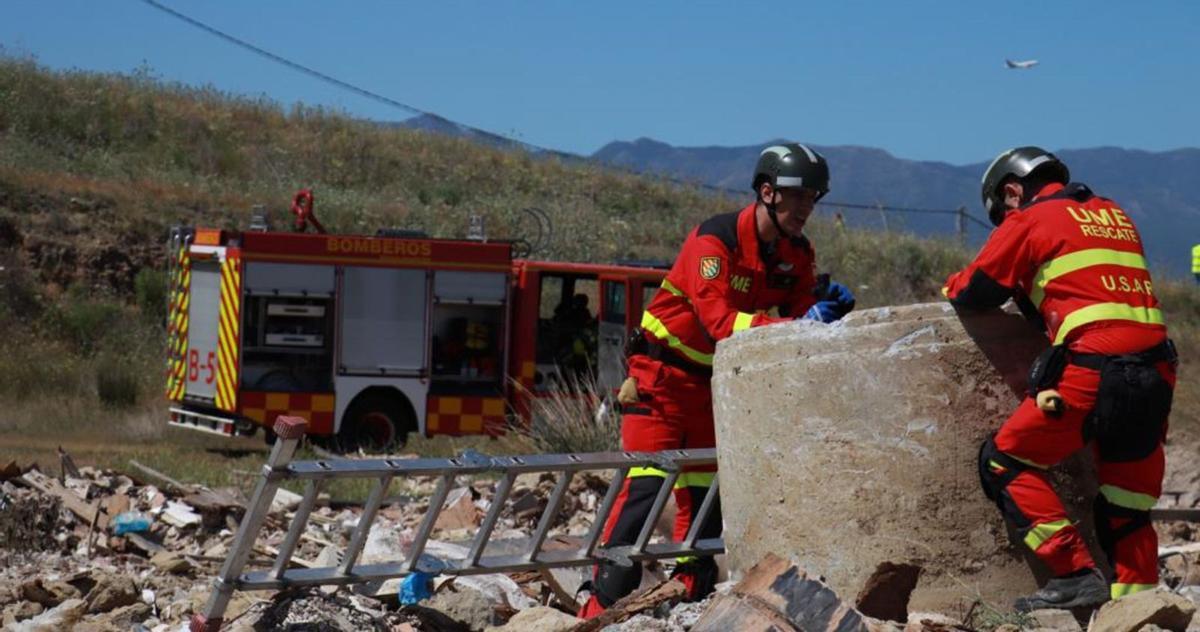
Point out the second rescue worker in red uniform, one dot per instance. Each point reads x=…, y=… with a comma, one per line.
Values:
x=1074, y=261
x=735, y=271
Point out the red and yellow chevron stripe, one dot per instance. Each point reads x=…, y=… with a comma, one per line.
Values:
x=229, y=330
x=177, y=325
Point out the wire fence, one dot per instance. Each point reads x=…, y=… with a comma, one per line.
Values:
x=962, y=219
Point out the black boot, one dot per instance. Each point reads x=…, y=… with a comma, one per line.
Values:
x=1085, y=588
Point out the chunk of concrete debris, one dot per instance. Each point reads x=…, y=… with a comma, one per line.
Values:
x=171, y=562
x=459, y=511
x=1156, y=607
x=885, y=595
x=179, y=514
x=778, y=595
x=469, y=607
x=111, y=592
x=1056, y=620
x=285, y=500
x=538, y=619
x=630, y=605
x=64, y=616
x=21, y=611
x=48, y=593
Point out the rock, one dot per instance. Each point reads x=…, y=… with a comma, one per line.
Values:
x=459, y=511
x=111, y=592
x=1150, y=627
x=1056, y=619
x=123, y=618
x=64, y=616
x=886, y=593
x=169, y=562
x=285, y=500
x=466, y=605
x=21, y=611
x=48, y=593
x=685, y=615
x=1156, y=607
x=639, y=623
x=538, y=619
x=776, y=594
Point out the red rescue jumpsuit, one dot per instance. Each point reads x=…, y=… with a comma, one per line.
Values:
x=1078, y=258
x=724, y=280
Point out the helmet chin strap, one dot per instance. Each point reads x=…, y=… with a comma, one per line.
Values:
x=774, y=215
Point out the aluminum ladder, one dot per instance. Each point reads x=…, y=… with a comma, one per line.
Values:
x=280, y=467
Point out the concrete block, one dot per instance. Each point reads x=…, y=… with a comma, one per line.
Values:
x=849, y=445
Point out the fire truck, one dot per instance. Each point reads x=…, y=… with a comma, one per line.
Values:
x=371, y=338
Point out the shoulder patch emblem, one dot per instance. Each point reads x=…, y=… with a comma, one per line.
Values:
x=710, y=267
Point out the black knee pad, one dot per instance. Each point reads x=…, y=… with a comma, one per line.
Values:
x=614, y=581
x=996, y=469
x=1103, y=512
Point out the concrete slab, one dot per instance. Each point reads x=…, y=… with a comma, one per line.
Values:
x=843, y=446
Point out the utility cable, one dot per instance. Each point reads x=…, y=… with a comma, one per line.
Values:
x=375, y=96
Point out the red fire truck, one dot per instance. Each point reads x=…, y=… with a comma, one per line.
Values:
x=371, y=338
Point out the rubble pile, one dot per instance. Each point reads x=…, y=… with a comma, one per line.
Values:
x=92, y=549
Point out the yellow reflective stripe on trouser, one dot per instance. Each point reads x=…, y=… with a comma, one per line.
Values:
x=1119, y=590
x=660, y=331
x=1042, y=532
x=1127, y=499
x=742, y=321
x=1107, y=311
x=685, y=479
x=1069, y=263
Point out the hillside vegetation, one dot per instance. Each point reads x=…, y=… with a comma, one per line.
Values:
x=95, y=168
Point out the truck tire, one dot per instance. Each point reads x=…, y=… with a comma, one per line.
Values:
x=376, y=422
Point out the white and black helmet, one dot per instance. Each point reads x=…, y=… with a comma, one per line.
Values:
x=792, y=165
x=1020, y=163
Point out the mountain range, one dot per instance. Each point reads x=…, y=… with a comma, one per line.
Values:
x=1155, y=188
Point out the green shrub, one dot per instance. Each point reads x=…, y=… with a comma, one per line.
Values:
x=150, y=292
x=84, y=321
x=117, y=381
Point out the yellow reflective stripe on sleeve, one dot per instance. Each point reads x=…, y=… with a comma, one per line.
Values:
x=1196, y=259
x=660, y=331
x=1119, y=590
x=1127, y=499
x=639, y=472
x=742, y=321
x=695, y=479
x=1042, y=532
x=666, y=285
x=1067, y=264
x=1107, y=311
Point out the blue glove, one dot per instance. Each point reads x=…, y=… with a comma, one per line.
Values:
x=836, y=302
x=824, y=311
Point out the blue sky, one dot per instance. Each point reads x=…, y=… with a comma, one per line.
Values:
x=921, y=79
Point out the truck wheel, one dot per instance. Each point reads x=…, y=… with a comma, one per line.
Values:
x=376, y=422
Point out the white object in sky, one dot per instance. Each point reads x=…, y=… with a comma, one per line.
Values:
x=1021, y=65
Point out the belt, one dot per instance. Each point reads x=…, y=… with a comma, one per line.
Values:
x=1161, y=352
x=655, y=351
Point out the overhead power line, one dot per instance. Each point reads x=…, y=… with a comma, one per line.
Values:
x=411, y=109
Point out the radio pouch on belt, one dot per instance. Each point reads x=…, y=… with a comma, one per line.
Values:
x=1132, y=405
x=1044, y=375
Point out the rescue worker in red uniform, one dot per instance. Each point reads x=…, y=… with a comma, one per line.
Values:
x=1073, y=261
x=735, y=271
